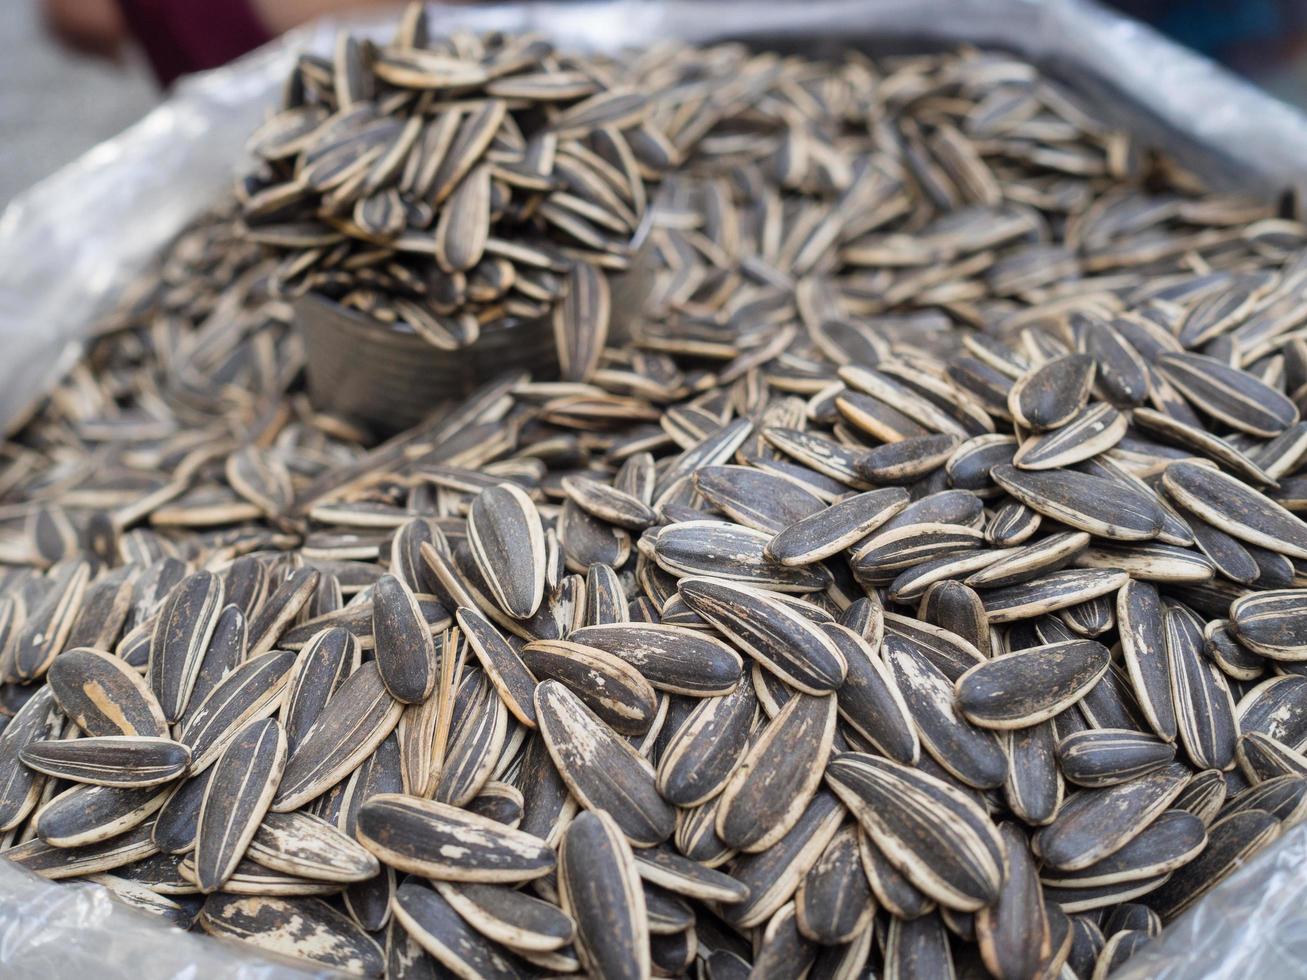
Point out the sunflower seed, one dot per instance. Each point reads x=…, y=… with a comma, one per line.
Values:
x=1049, y=396
x=251, y=691
x=1261, y=758
x=897, y=804
x=304, y=845
x=778, y=775
x=356, y=719
x=1087, y=503
x=91, y=814
x=839, y=526
x=244, y=780
x=109, y=760
x=509, y=917
x=56, y=863
x=1096, y=823
x=834, y=901
x=1034, y=786
x=870, y=701
x=319, y=670
x=732, y=553
x=502, y=663
x=1093, y=430
x=1104, y=757
x=971, y=754
x=755, y=498
x=34, y=646
x=104, y=696
x=1031, y=685
x=917, y=947
x=299, y=928
x=599, y=888
x=1234, y=397
x=180, y=637
x=1271, y=624
x=179, y=817
x=703, y=752
x=279, y=609
x=670, y=658
x=1051, y=592
x=784, y=641
x=1014, y=933
x=602, y=770
x=508, y=545
x=1271, y=708
x=581, y=322
x=1237, y=509
x=443, y=842
x=405, y=652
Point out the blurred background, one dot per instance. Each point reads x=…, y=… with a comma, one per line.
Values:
x=74, y=72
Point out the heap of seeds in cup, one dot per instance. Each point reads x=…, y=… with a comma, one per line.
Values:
x=917, y=588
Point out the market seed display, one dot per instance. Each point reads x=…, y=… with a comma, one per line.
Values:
x=912, y=583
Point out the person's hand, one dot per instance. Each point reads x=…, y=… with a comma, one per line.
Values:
x=93, y=27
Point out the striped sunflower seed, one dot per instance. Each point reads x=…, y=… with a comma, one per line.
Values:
x=784, y=641
x=599, y=887
x=1032, y=685
x=601, y=769
x=443, y=842
x=104, y=696
x=236, y=797
x=109, y=760
x=896, y=804
x=508, y=545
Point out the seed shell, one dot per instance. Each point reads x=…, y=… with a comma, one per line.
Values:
x=778, y=775
x=1096, y=823
x=356, y=719
x=1031, y=685
x=181, y=636
x=109, y=760
x=305, y=929
x=404, y=649
x=599, y=887
x=508, y=544
x=443, y=842
x=785, y=642
x=244, y=780
x=104, y=696
x=601, y=769
x=931, y=832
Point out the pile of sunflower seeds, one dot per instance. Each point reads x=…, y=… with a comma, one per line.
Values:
x=448, y=183
x=919, y=591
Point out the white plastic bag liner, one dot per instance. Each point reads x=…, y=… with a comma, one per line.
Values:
x=70, y=244
x=75, y=930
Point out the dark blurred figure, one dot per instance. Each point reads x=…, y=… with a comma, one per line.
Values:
x=1261, y=39
x=181, y=36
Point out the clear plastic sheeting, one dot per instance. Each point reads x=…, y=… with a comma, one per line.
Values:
x=1251, y=925
x=70, y=244
x=74, y=929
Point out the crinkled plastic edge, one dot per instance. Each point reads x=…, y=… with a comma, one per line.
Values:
x=75, y=929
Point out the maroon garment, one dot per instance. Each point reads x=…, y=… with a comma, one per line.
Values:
x=182, y=36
